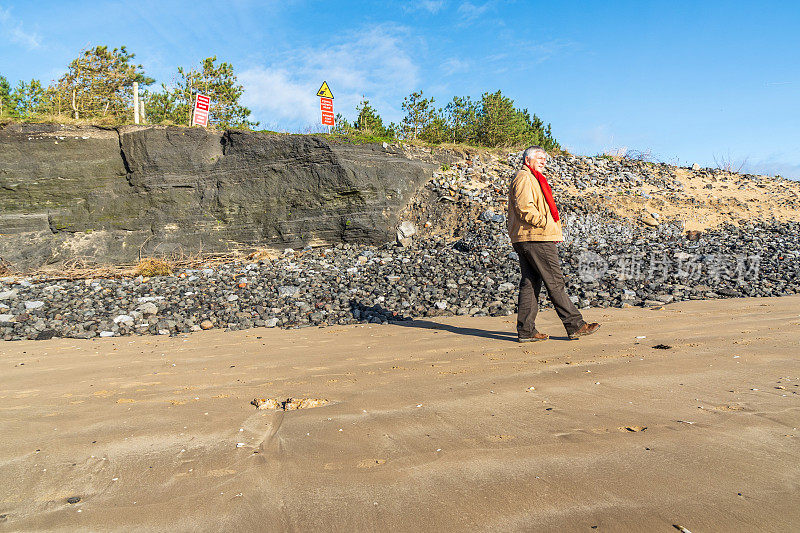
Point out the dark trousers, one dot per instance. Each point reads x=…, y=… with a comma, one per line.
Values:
x=539, y=262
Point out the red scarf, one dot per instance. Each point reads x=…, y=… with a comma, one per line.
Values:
x=548, y=192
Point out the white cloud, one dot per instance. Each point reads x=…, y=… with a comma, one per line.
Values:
x=470, y=11
x=277, y=98
x=455, y=65
x=540, y=52
x=15, y=32
x=431, y=6
x=374, y=62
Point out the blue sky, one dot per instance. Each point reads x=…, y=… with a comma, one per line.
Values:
x=701, y=81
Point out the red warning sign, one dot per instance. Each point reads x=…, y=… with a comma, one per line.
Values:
x=201, y=108
x=326, y=107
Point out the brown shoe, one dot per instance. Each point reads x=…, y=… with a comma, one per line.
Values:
x=536, y=337
x=585, y=329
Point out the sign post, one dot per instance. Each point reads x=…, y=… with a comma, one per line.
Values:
x=135, y=103
x=326, y=105
x=201, y=108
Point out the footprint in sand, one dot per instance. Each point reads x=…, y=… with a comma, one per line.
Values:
x=727, y=407
x=499, y=438
x=370, y=463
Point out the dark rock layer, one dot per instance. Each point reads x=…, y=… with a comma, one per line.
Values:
x=111, y=195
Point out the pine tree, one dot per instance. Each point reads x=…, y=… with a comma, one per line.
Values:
x=368, y=120
x=5, y=97
x=28, y=99
x=419, y=112
x=436, y=131
x=460, y=114
x=160, y=106
x=99, y=83
x=498, y=123
x=342, y=126
x=218, y=82
x=537, y=133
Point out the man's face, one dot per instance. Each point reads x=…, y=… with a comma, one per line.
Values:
x=538, y=161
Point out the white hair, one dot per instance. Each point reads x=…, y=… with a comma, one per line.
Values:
x=531, y=151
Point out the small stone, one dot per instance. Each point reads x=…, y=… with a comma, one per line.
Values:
x=125, y=320
x=405, y=231
x=148, y=308
x=45, y=335
x=206, y=324
x=73, y=499
x=33, y=304
x=648, y=220
x=288, y=290
x=9, y=295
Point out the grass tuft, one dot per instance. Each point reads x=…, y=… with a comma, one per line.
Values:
x=5, y=268
x=150, y=267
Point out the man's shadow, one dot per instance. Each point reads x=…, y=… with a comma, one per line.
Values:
x=496, y=335
x=399, y=320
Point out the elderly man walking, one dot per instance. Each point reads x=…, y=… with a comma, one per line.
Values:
x=534, y=227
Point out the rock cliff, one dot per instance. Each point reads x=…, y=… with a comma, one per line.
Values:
x=104, y=195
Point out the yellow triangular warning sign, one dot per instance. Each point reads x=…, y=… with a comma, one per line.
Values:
x=325, y=91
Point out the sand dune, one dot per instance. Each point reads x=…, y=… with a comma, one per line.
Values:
x=435, y=425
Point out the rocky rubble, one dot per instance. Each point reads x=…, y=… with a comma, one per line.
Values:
x=452, y=257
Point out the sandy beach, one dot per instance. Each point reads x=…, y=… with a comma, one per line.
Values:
x=434, y=425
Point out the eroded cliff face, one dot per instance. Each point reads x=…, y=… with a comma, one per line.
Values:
x=105, y=195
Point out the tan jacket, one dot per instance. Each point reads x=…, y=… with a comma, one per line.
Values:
x=529, y=218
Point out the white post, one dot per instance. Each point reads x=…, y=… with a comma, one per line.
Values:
x=135, y=103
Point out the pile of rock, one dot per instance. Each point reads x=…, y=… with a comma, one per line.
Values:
x=475, y=275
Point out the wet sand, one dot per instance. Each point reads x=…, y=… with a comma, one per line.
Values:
x=431, y=426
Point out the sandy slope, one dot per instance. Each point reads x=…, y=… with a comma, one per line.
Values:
x=707, y=201
x=431, y=427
